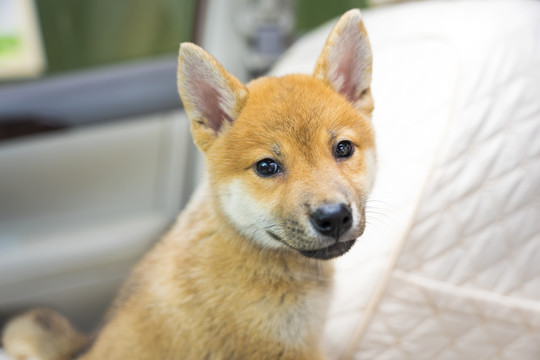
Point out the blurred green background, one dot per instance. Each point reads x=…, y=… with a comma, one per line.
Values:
x=85, y=33
x=311, y=13
x=80, y=34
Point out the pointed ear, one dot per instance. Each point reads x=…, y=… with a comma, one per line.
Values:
x=211, y=96
x=345, y=62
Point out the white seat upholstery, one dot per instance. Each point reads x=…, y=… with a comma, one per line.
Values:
x=448, y=267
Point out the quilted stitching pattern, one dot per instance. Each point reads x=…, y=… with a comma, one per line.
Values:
x=490, y=223
x=419, y=320
x=466, y=284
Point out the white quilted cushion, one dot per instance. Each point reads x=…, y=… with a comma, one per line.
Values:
x=450, y=265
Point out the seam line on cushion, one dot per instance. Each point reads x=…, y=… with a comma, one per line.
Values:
x=376, y=297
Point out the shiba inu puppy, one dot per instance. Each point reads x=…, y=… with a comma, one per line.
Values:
x=244, y=273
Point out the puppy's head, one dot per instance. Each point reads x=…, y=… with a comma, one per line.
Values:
x=291, y=160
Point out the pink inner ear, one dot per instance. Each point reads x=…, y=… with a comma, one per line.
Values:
x=346, y=79
x=209, y=104
x=350, y=62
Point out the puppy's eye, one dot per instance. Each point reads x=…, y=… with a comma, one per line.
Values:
x=266, y=168
x=344, y=149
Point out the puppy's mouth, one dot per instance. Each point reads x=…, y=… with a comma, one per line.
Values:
x=325, y=253
x=329, y=252
x=296, y=239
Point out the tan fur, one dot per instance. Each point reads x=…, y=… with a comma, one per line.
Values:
x=42, y=334
x=228, y=281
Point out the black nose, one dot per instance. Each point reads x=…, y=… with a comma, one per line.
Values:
x=332, y=219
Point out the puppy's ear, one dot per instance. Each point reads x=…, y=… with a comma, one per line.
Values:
x=211, y=96
x=345, y=62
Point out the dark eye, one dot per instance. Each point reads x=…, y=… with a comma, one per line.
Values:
x=266, y=168
x=344, y=149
